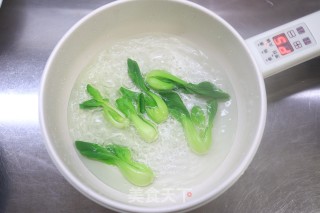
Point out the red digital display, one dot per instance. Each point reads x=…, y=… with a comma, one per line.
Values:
x=283, y=44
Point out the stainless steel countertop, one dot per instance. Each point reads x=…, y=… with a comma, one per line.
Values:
x=283, y=177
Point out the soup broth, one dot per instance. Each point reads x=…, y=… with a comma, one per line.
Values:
x=174, y=165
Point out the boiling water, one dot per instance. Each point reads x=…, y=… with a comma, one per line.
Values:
x=173, y=163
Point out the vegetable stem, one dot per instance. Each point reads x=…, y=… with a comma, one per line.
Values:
x=110, y=113
x=147, y=130
x=161, y=80
x=136, y=173
x=198, y=135
x=153, y=104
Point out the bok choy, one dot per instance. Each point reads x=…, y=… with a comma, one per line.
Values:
x=110, y=113
x=161, y=80
x=198, y=132
x=130, y=104
x=136, y=173
x=154, y=106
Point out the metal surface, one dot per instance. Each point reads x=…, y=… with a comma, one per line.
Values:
x=283, y=177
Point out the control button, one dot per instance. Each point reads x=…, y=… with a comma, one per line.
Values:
x=300, y=30
x=265, y=50
x=291, y=34
x=277, y=56
x=306, y=41
x=268, y=40
x=269, y=59
x=274, y=52
x=297, y=44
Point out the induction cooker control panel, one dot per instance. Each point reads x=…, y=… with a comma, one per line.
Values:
x=284, y=43
x=287, y=45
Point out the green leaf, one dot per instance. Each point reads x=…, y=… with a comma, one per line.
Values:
x=135, y=75
x=129, y=93
x=94, y=93
x=162, y=80
x=135, y=97
x=110, y=113
x=89, y=104
x=198, y=135
x=141, y=104
x=126, y=106
x=176, y=106
x=96, y=152
x=198, y=117
x=121, y=152
x=212, y=108
x=148, y=102
x=206, y=89
x=206, y=136
x=147, y=130
x=136, y=173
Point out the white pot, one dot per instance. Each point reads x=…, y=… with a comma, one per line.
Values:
x=121, y=19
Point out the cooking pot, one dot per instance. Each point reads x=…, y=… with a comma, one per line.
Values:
x=246, y=63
